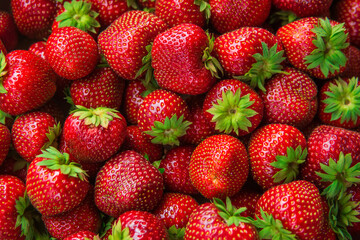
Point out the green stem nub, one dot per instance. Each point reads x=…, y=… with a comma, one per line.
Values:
x=204, y=7
x=343, y=100
x=232, y=111
x=169, y=132
x=267, y=64
x=2, y=71
x=211, y=63
x=229, y=213
x=99, y=116
x=118, y=233
x=79, y=14
x=340, y=175
x=329, y=42
x=289, y=164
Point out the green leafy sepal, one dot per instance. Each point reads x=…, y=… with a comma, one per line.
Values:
x=176, y=233
x=52, y=134
x=210, y=62
x=3, y=116
x=283, y=17
x=149, y=81
x=118, y=233
x=99, y=116
x=132, y=4
x=2, y=71
x=204, y=7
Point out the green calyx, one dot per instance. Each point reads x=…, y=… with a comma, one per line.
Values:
x=272, y=228
x=343, y=100
x=283, y=17
x=229, y=213
x=211, y=63
x=204, y=7
x=99, y=116
x=4, y=115
x=176, y=233
x=29, y=220
x=55, y=160
x=267, y=64
x=132, y=4
x=289, y=164
x=329, y=43
x=118, y=233
x=156, y=164
x=168, y=132
x=340, y=175
x=2, y=71
x=79, y=14
x=52, y=134
x=149, y=80
x=232, y=111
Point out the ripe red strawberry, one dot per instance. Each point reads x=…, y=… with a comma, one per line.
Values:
x=27, y=82
x=319, y=47
x=162, y=116
x=181, y=60
x=38, y=48
x=5, y=141
x=352, y=66
x=219, y=166
x=33, y=18
x=233, y=107
x=176, y=170
x=33, y=132
x=218, y=220
x=67, y=49
x=126, y=182
x=290, y=98
x=8, y=31
x=94, y=135
x=83, y=235
x=326, y=231
x=294, y=207
x=102, y=88
x=254, y=58
x=304, y=8
x=276, y=151
x=124, y=42
x=63, y=183
x=133, y=97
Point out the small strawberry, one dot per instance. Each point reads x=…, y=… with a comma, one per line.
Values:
x=38, y=48
x=133, y=97
x=8, y=31
x=219, y=166
x=303, y=8
x=83, y=235
x=5, y=141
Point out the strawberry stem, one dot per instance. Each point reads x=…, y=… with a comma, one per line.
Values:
x=99, y=116
x=2, y=71
x=211, y=63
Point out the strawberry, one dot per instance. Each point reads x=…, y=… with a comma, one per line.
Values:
x=38, y=48
x=124, y=42
x=133, y=97
x=276, y=151
x=326, y=231
x=27, y=82
x=15, y=166
x=317, y=46
x=63, y=183
x=94, y=135
x=218, y=220
x=290, y=211
x=290, y=98
x=352, y=68
x=126, y=182
x=8, y=31
x=246, y=197
x=162, y=116
x=33, y=132
x=83, y=235
x=33, y=18
x=67, y=49
x=5, y=141
x=176, y=174
x=303, y=8
x=233, y=107
x=101, y=88
x=219, y=166
x=181, y=60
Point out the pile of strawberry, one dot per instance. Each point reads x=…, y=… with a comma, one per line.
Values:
x=167, y=119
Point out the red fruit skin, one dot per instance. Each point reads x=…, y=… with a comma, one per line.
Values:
x=81, y=235
x=246, y=197
x=5, y=141
x=354, y=230
x=59, y=193
x=235, y=49
x=326, y=231
x=205, y=223
x=297, y=38
x=215, y=93
x=11, y=189
x=290, y=98
x=29, y=81
x=8, y=31
x=219, y=166
x=124, y=42
x=33, y=18
x=132, y=100
x=352, y=66
x=177, y=60
x=147, y=4
x=29, y=133
x=176, y=174
x=228, y=15
x=297, y=205
x=304, y=8
x=327, y=142
x=3, y=48
x=67, y=49
x=175, y=209
x=126, y=182
x=88, y=143
x=14, y=167
x=38, y=48
x=143, y=225
x=102, y=88
x=348, y=11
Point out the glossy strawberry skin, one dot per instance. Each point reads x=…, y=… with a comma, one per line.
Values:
x=67, y=49
x=30, y=82
x=299, y=109
x=304, y=8
x=352, y=66
x=5, y=141
x=11, y=189
x=126, y=182
x=8, y=30
x=132, y=100
x=38, y=48
x=297, y=205
x=219, y=166
x=82, y=235
x=177, y=60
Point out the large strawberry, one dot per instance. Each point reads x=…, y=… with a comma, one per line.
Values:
x=5, y=140
x=219, y=166
x=126, y=182
x=94, y=135
x=316, y=46
x=304, y=8
x=26, y=82
x=8, y=31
